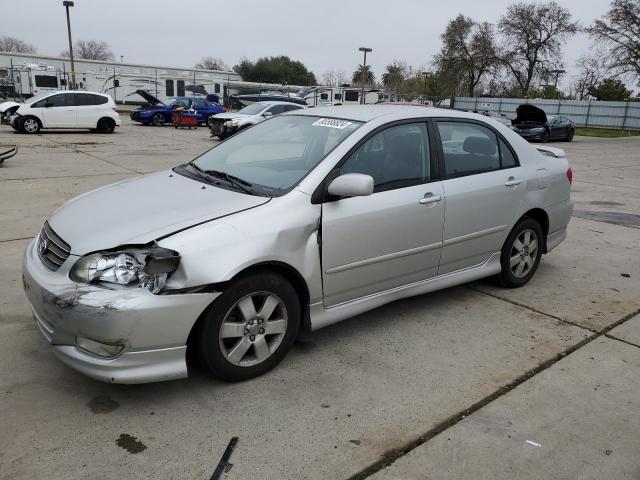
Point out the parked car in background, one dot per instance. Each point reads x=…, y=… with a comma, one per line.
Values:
x=532, y=123
x=64, y=109
x=502, y=118
x=158, y=113
x=224, y=125
x=299, y=222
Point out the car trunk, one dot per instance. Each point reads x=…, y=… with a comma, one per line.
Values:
x=529, y=116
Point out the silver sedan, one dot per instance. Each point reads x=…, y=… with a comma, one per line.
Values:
x=296, y=223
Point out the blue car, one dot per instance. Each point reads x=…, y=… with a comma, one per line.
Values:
x=158, y=113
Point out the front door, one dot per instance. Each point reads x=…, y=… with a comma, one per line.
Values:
x=392, y=237
x=59, y=111
x=482, y=184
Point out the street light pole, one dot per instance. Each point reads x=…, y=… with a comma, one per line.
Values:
x=364, y=71
x=424, y=93
x=68, y=4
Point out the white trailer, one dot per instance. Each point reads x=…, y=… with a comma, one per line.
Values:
x=25, y=75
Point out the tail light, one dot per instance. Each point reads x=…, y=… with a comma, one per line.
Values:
x=570, y=175
x=115, y=109
x=225, y=109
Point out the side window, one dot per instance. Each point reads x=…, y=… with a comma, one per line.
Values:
x=61, y=100
x=351, y=96
x=181, y=102
x=289, y=108
x=99, y=100
x=507, y=159
x=216, y=88
x=169, y=88
x=82, y=99
x=396, y=157
x=277, y=109
x=468, y=148
x=337, y=96
x=199, y=103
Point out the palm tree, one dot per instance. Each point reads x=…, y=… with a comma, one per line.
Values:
x=394, y=77
x=363, y=77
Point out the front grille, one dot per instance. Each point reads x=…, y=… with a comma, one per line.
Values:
x=216, y=126
x=52, y=250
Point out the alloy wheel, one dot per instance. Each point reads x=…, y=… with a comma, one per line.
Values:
x=523, y=253
x=158, y=120
x=253, y=329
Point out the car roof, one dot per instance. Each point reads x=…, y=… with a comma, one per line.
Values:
x=276, y=102
x=56, y=92
x=367, y=113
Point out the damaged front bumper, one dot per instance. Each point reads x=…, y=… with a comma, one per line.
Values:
x=149, y=330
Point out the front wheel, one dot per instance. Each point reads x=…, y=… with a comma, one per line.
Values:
x=157, y=120
x=545, y=136
x=30, y=125
x=521, y=253
x=570, y=136
x=250, y=327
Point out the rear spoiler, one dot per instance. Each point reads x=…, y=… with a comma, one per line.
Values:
x=551, y=151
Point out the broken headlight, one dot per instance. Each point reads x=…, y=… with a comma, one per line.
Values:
x=146, y=267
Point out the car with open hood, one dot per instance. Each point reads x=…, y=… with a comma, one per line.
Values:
x=299, y=222
x=532, y=123
x=224, y=125
x=158, y=113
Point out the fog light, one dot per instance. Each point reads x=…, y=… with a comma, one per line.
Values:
x=107, y=350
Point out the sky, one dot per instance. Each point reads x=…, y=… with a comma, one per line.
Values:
x=323, y=35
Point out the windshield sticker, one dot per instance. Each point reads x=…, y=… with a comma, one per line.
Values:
x=332, y=123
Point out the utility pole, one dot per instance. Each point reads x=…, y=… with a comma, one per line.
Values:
x=424, y=93
x=364, y=71
x=67, y=4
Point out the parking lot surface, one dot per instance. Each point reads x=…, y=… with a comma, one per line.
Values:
x=470, y=382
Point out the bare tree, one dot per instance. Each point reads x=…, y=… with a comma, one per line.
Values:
x=211, y=63
x=334, y=77
x=533, y=35
x=592, y=68
x=620, y=31
x=12, y=44
x=468, y=51
x=91, y=50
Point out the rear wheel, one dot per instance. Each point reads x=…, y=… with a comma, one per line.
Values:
x=521, y=253
x=250, y=327
x=30, y=125
x=106, y=125
x=570, y=136
x=157, y=120
x=545, y=136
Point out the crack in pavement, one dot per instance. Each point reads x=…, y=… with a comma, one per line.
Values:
x=390, y=456
x=16, y=239
x=621, y=340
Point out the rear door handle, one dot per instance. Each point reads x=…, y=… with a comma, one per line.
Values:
x=429, y=198
x=512, y=182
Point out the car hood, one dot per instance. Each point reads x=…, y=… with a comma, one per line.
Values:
x=230, y=115
x=150, y=98
x=142, y=209
x=526, y=113
x=4, y=106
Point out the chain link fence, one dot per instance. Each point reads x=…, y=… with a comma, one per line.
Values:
x=585, y=113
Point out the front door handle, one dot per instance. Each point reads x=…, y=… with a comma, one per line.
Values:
x=429, y=198
x=512, y=182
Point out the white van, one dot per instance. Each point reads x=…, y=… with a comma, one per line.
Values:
x=64, y=109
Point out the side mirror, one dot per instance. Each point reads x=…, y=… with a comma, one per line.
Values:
x=351, y=185
x=267, y=114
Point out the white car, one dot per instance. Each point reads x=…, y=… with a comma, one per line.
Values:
x=224, y=125
x=64, y=109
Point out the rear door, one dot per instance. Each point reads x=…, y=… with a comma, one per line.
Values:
x=59, y=111
x=392, y=237
x=483, y=185
x=86, y=109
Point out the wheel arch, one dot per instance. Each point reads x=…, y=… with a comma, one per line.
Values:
x=290, y=273
x=108, y=119
x=30, y=115
x=542, y=217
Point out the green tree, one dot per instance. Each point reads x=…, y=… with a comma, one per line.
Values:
x=363, y=76
x=611, y=89
x=468, y=52
x=275, y=70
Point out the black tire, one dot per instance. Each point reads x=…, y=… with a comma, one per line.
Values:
x=208, y=120
x=215, y=352
x=106, y=125
x=509, y=276
x=29, y=124
x=570, y=136
x=157, y=120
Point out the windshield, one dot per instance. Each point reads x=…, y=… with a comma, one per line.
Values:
x=277, y=153
x=253, y=109
x=35, y=98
